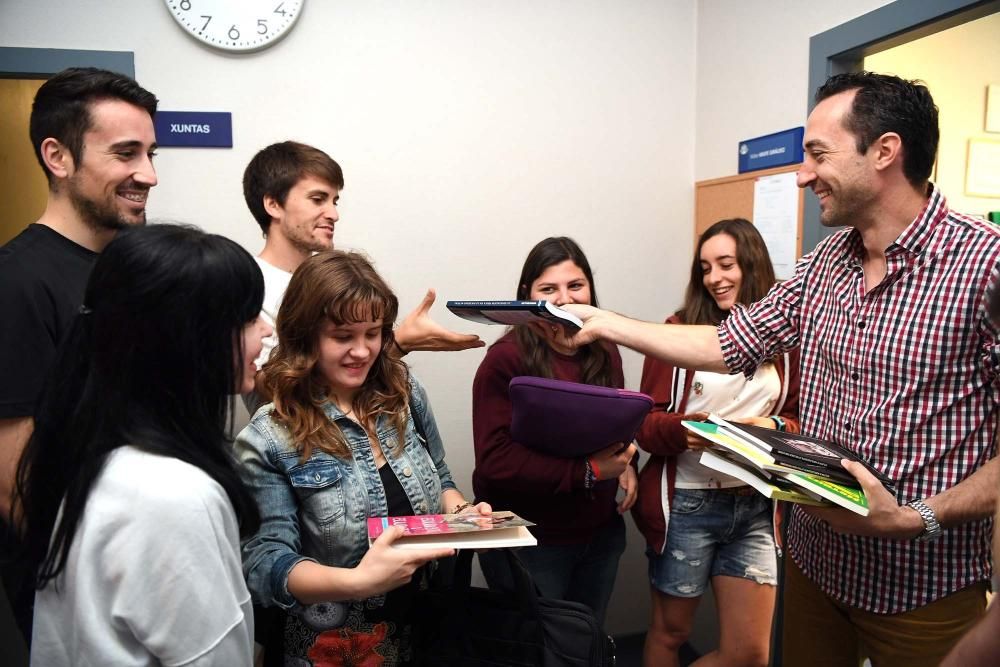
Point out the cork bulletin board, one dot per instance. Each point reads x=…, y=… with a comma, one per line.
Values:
x=732, y=197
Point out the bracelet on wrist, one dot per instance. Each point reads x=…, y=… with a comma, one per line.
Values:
x=399, y=348
x=595, y=469
x=779, y=423
x=589, y=478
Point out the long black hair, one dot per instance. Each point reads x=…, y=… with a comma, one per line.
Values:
x=594, y=357
x=152, y=360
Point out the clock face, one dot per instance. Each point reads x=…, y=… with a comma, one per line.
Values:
x=236, y=25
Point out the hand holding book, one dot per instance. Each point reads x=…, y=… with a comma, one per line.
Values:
x=760, y=422
x=384, y=567
x=694, y=441
x=886, y=518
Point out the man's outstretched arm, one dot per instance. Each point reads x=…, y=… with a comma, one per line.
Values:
x=683, y=345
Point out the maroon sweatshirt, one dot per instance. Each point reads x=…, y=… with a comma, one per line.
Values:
x=545, y=489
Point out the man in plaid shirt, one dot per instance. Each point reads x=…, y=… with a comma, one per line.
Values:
x=900, y=362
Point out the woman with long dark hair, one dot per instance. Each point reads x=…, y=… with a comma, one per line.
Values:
x=720, y=530
x=580, y=531
x=349, y=435
x=128, y=497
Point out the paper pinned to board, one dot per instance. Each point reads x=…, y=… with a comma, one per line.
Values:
x=776, y=216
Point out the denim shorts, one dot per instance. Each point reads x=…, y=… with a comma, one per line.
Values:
x=714, y=533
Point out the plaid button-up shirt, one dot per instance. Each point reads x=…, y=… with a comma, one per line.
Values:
x=906, y=375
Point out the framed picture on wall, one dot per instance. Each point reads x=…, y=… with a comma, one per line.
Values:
x=982, y=169
x=993, y=107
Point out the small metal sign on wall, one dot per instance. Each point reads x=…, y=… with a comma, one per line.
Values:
x=202, y=129
x=771, y=150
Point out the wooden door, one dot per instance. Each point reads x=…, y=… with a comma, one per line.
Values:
x=23, y=188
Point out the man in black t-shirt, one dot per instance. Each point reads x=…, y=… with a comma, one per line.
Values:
x=92, y=131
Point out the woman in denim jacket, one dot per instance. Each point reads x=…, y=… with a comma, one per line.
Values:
x=349, y=435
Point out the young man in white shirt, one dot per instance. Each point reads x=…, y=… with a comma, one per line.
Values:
x=292, y=190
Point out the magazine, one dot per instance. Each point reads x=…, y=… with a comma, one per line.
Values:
x=457, y=531
x=515, y=312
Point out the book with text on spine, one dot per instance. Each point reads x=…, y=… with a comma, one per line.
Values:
x=515, y=312
x=456, y=531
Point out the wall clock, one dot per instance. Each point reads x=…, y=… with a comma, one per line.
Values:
x=236, y=25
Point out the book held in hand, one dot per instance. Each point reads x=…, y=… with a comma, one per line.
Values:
x=515, y=312
x=456, y=531
x=771, y=485
x=818, y=481
x=822, y=457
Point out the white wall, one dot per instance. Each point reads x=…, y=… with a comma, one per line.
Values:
x=468, y=131
x=753, y=71
x=958, y=84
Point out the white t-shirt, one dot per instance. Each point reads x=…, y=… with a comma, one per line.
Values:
x=727, y=396
x=153, y=576
x=275, y=283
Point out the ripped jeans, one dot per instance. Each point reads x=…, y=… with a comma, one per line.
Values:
x=713, y=533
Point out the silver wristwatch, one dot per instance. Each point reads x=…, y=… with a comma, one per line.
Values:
x=932, y=529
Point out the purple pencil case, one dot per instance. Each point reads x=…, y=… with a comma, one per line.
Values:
x=571, y=419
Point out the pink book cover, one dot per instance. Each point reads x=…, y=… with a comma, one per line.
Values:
x=440, y=524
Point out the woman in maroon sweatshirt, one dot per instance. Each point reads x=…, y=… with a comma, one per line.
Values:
x=580, y=531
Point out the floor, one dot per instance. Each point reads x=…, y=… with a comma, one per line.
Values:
x=628, y=651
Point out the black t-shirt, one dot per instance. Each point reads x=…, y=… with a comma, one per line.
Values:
x=395, y=497
x=43, y=276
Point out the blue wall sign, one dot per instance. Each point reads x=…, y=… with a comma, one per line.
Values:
x=205, y=129
x=772, y=150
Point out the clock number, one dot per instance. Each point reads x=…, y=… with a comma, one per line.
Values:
x=234, y=34
x=261, y=26
x=278, y=9
x=208, y=19
x=185, y=4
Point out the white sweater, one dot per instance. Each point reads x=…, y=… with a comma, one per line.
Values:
x=153, y=575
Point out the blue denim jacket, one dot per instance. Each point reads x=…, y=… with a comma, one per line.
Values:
x=318, y=509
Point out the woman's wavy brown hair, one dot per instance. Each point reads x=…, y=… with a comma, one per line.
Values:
x=755, y=265
x=595, y=360
x=343, y=288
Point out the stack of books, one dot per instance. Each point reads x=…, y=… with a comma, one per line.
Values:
x=784, y=466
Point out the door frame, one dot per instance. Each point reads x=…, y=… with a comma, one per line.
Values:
x=843, y=49
x=30, y=63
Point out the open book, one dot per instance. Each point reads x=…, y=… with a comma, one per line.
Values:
x=515, y=312
x=737, y=445
x=456, y=531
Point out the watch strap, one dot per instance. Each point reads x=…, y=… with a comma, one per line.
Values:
x=932, y=529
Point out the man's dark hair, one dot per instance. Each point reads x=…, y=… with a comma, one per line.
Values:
x=62, y=107
x=276, y=169
x=885, y=103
